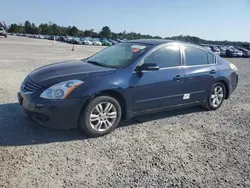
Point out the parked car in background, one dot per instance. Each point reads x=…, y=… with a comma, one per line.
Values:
x=69, y=39
x=216, y=50
x=246, y=53
x=105, y=42
x=113, y=41
x=119, y=40
x=239, y=53
x=53, y=37
x=231, y=52
x=206, y=47
x=3, y=32
x=125, y=80
x=41, y=37
x=62, y=39
x=96, y=41
x=87, y=41
x=223, y=51
x=76, y=40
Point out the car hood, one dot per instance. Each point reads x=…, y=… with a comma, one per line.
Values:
x=58, y=72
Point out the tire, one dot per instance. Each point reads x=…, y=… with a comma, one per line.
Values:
x=97, y=126
x=212, y=96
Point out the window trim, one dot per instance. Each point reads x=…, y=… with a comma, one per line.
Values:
x=156, y=48
x=214, y=60
x=200, y=48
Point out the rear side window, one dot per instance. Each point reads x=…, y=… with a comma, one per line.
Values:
x=195, y=56
x=210, y=58
x=167, y=56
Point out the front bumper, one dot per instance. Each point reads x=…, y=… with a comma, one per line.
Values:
x=234, y=79
x=58, y=114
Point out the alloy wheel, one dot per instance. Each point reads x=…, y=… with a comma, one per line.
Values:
x=103, y=116
x=217, y=96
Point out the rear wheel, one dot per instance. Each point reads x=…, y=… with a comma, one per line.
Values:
x=216, y=96
x=101, y=116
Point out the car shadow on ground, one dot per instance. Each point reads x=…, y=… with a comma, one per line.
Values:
x=16, y=130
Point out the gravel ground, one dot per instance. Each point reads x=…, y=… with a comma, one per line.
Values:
x=181, y=148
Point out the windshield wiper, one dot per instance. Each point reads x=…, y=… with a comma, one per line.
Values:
x=96, y=63
x=100, y=64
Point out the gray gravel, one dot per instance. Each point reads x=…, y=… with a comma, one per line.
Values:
x=181, y=148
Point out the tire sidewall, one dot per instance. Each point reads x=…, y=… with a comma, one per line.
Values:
x=84, y=119
x=209, y=97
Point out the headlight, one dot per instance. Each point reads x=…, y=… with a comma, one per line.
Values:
x=233, y=67
x=61, y=90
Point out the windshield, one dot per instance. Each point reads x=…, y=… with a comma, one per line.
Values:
x=119, y=55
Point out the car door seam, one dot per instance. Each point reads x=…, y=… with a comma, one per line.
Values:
x=170, y=96
x=157, y=98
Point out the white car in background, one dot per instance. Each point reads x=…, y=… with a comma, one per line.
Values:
x=97, y=42
x=239, y=53
x=40, y=36
x=87, y=42
x=3, y=32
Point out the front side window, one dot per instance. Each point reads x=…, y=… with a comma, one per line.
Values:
x=195, y=56
x=119, y=55
x=167, y=56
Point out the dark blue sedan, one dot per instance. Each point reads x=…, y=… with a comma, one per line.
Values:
x=128, y=79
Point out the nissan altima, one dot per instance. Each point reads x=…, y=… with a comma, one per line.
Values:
x=128, y=79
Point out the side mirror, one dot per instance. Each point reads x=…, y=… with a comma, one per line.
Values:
x=148, y=66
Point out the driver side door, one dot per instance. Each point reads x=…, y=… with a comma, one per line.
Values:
x=159, y=89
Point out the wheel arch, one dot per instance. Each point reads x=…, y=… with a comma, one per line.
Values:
x=112, y=93
x=226, y=84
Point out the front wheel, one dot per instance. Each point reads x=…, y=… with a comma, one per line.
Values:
x=216, y=96
x=101, y=116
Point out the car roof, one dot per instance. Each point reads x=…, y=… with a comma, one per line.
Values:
x=152, y=41
x=157, y=42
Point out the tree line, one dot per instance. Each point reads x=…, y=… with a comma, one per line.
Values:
x=54, y=29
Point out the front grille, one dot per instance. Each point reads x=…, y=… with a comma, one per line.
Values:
x=29, y=86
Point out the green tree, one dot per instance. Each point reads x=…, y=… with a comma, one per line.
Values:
x=106, y=32
x=27, y=27
x=45, y=29
x=56, y=30
x=34, y=29
x=88, y=33
x=73, y=31
x=13, y=28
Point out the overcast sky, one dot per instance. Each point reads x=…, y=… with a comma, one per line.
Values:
x=208, y=19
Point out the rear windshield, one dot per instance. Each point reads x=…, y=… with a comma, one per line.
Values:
x=119, y=55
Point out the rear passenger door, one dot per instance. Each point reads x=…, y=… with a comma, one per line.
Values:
x=200, y=73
